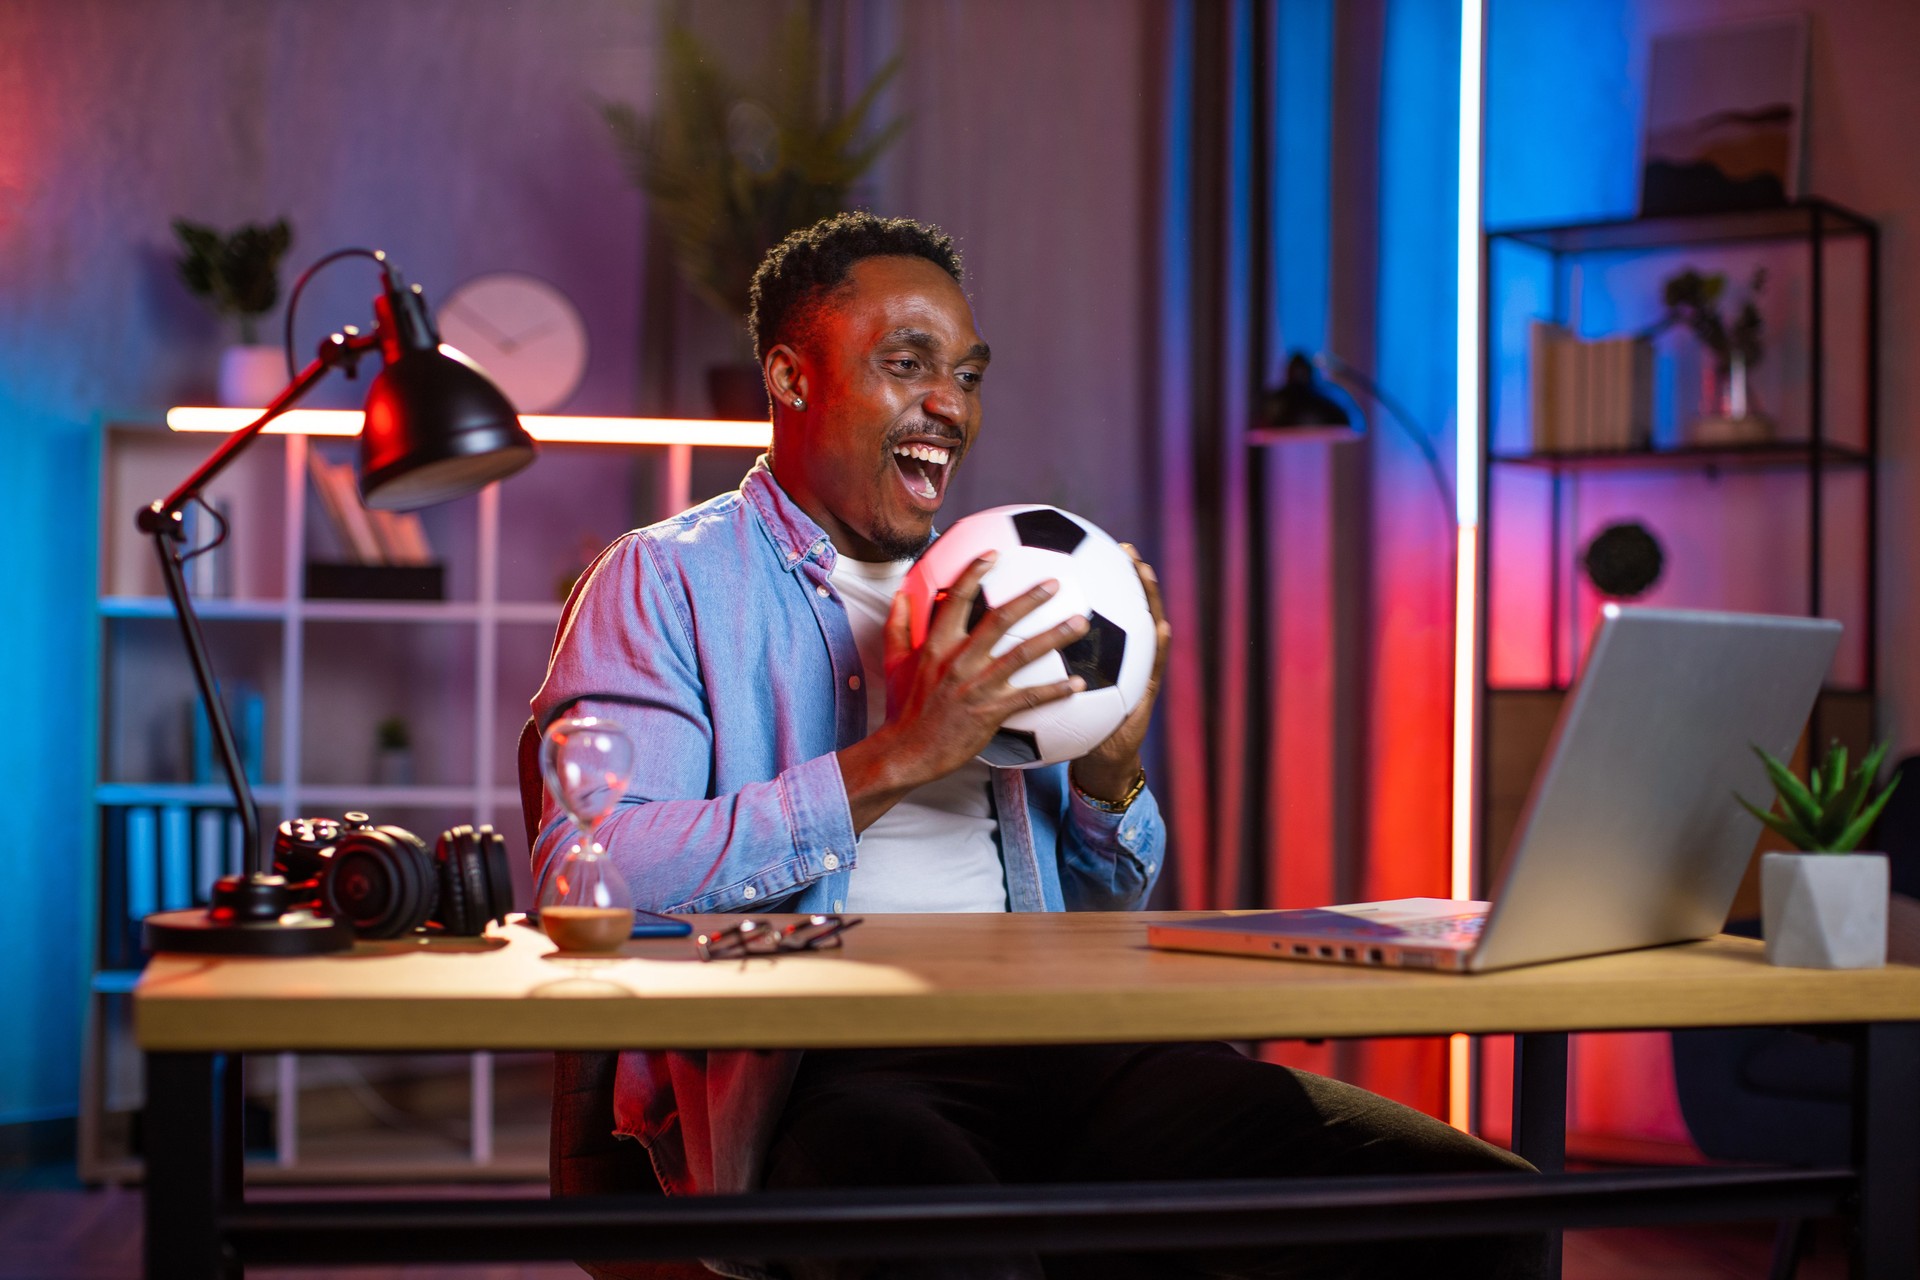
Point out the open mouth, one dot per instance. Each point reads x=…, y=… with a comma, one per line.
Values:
x=923, y=470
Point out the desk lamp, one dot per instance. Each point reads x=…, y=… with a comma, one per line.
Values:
x=435, y=429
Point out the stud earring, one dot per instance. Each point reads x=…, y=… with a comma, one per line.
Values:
x=798, y=403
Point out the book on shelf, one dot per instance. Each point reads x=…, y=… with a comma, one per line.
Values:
x=367, y=536
x=118, y=941
x=142, y=861
x=236, y=844
x=1588, y=394
x=209, y=850
x=209, y=570
x=247, y=713
x=176, y=857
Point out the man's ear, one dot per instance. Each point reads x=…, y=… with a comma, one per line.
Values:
x=786, y=376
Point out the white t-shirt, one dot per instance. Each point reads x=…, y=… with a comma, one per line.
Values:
x=936, y=850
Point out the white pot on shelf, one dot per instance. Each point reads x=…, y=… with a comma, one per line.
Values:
x=1825, y=910
x=393, y=767
x=251, y=375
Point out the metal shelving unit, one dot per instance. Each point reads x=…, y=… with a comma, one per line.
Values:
x=1811, y=445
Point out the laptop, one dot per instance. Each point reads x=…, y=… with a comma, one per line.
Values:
x=1630, y=837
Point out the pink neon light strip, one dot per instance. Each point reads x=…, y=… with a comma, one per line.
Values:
x=545, y=428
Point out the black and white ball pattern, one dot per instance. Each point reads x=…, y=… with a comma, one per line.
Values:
x=1096, y=578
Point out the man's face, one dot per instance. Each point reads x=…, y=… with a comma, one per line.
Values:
x=893, y=374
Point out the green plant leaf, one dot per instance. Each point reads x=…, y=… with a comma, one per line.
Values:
x=1860, y=782
x=1799, y=837
x=1834, y=771
x=1857, y=830
x=717, y=202
x=1794, y=796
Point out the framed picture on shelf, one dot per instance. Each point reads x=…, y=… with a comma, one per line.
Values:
x=1726, y=117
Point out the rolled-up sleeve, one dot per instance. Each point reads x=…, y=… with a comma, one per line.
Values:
x=1110, y=861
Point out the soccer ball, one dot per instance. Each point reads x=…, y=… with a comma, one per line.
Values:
x=1097, y=579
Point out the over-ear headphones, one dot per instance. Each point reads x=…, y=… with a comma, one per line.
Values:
x=386, y=882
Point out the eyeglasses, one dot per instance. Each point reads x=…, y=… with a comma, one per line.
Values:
x=762, y=938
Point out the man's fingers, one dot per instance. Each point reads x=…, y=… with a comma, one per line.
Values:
x=950, y=607
x=1149, y=583
x=1055, y=637
x=1039, y=695
x=994, y=627
x=899, y=629
x=1162, y=629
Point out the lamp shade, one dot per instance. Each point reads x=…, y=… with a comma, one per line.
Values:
x=436, y=429
x=1300, y=402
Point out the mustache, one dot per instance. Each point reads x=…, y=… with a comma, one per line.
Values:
x=927, y=428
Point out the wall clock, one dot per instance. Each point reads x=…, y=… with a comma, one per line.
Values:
x=523, y=332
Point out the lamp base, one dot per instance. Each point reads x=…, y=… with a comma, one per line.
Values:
x=250, y=916
x=298, y=933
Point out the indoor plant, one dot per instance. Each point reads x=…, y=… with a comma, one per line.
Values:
x=239, y=274
x=393, y=753
x=1693, y=299
x=1825, y=907
x=731, y=165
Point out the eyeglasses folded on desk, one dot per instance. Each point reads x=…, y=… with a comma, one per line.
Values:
x=753, y=937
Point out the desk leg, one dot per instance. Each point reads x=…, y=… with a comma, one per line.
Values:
x=1540, y=1111
x=193, y=1163
x=1886, y=1150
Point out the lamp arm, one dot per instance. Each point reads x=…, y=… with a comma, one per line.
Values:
x=161, y=521
x=1339, y=368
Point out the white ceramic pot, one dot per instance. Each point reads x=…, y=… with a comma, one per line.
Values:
x=251, y=376
x=1825, y=910
x=393, y=767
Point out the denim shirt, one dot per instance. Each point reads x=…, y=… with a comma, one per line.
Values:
x=717, y=640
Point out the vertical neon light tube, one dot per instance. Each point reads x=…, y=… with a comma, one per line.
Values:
x=1466, y=484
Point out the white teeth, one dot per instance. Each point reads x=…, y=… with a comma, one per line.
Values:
x=923, y=452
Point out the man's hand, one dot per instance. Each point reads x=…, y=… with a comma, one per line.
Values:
x=1108, y=771
x=947, y=698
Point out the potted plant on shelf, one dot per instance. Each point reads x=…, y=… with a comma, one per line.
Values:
x=730, y=166
x=239, y=273
x=1826, y=906
x=393, y=753
x=1728, y=412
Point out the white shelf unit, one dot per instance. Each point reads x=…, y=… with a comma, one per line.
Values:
x=460, y=669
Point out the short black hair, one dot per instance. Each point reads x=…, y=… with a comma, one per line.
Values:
x=801, y=270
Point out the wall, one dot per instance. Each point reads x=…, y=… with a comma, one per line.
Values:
x=459, y=136
x=1031, y=149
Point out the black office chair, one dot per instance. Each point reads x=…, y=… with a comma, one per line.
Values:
x=583, y=1156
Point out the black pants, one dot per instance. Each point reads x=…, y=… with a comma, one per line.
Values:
x=955, y=1117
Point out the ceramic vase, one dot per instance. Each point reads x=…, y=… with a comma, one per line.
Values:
x=1825, y=910
x=251, y=376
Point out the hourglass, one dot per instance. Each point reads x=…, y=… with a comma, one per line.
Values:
x=585, y=904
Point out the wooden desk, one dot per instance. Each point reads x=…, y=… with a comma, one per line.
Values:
x=1025, y=979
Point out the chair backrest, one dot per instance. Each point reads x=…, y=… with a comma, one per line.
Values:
x=532, y=791
x=1898, y=832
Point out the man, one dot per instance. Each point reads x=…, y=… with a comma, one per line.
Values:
x=796, y=753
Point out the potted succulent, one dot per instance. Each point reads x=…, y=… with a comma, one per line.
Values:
x=393, y=753
x=730, y=165
x=239, y=274
x=1729, y=414
x=1826, y=906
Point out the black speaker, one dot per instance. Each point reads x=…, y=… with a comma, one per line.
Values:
x=385, y=882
